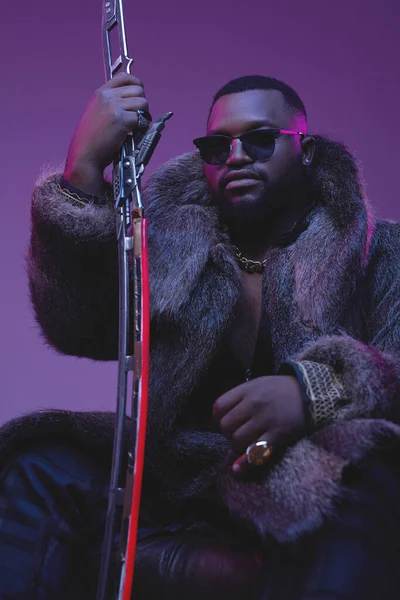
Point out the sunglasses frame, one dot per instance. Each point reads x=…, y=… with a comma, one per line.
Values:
x=275, y=132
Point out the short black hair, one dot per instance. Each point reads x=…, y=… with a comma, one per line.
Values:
x=261, y=82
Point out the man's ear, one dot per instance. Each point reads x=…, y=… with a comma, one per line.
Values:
x=308, y=149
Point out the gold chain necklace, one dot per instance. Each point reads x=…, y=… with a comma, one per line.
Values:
x=256, y=266
x=248, y=265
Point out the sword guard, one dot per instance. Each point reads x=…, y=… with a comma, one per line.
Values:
x=147, y=144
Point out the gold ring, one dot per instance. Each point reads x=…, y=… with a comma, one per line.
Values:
x=258, y=453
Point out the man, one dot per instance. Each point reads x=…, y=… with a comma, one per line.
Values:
x=271, y=460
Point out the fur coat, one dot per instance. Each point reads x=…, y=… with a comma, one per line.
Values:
x=332, y=296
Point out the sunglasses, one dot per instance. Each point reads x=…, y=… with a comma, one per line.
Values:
x=258, y=144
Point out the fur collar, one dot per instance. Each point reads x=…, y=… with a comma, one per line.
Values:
x=322, y=266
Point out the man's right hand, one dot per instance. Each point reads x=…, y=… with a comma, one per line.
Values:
x=108, y=118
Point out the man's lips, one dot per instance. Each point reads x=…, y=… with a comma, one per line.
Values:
x=241, y=183
x=239, y=179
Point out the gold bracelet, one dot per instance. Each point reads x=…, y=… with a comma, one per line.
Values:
x=325, y=390
x=73, y=197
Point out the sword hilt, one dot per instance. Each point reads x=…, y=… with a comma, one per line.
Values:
x=146, y=146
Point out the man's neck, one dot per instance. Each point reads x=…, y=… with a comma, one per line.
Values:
x=255, y=241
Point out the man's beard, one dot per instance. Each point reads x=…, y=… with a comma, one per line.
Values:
x=251, y=220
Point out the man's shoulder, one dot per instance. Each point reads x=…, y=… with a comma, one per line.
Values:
x=178, y=182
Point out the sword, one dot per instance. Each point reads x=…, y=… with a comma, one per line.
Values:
x=134, y=324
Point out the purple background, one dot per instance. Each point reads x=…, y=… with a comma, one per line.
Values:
x=342, y=57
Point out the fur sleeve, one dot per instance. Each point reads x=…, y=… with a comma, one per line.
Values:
x=371, y=370
x=72, y=268
x=370, y=376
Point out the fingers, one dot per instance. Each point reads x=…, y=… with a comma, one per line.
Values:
x=241, y=466
x=241, y=427
x=234, y=419
x=246, y=435
x=130, y=112
x=123, y=79
x=134, y=104
x=226, y=402
x=131, y=91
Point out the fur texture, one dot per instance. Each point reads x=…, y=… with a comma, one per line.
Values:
x=93, y=432
x=331, y=296
x=73, y=250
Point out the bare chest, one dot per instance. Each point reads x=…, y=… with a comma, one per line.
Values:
x=243, y=333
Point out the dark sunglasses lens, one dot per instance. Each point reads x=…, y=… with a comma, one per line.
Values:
x=214, y=150
x=259, y=145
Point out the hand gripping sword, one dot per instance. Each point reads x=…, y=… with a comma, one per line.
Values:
x=134, y=325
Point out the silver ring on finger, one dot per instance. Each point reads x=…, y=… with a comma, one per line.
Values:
x=143, y=120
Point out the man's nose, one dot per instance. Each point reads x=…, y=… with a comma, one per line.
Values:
x=237, y=155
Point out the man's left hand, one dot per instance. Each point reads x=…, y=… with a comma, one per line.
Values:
x=266, y=408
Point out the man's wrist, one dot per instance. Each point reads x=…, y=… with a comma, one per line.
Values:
x=292, y=369
x=323, y=392
x=75, y=195
x=86, y=177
